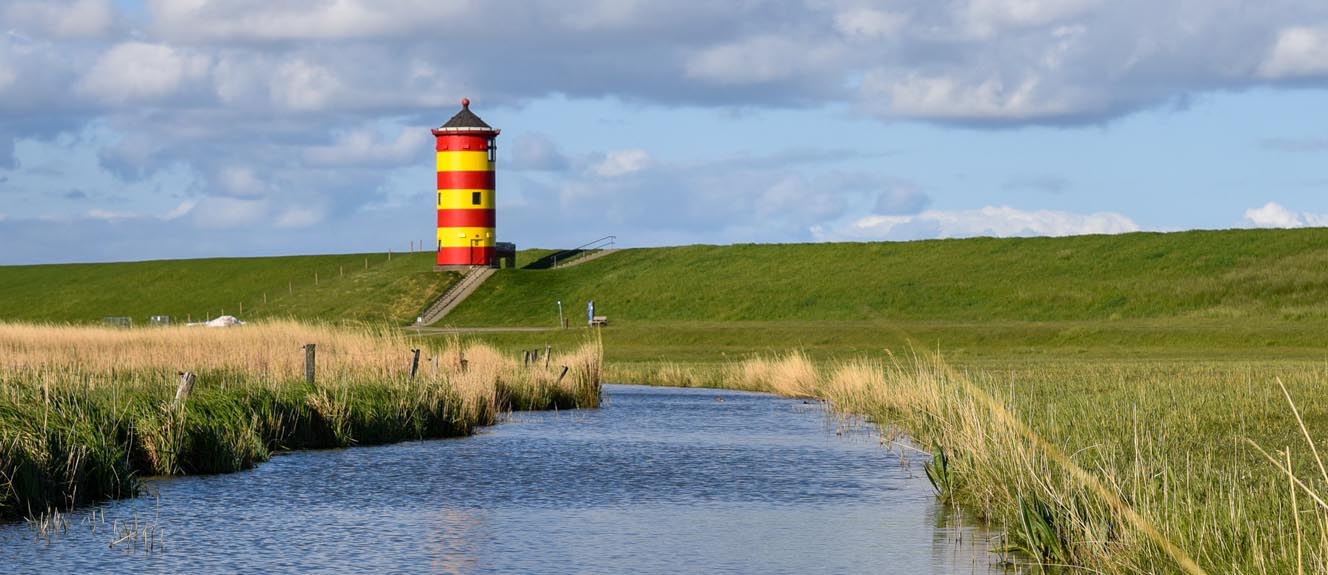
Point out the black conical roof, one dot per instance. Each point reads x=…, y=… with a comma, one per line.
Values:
x=466, y=119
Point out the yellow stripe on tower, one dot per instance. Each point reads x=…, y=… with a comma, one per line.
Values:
x=464, y=162
x=465, y=199
x=461, y=237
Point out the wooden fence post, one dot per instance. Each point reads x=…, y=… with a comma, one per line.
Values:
x=187, y=379
x=309, y=362
x=547, y=349
x=415, y=363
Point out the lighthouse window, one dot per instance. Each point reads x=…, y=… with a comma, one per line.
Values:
x=493, y=149
x=475, y=197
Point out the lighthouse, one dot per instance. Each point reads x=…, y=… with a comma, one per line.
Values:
x=466, y=185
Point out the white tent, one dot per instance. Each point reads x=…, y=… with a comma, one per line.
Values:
x=220, y=321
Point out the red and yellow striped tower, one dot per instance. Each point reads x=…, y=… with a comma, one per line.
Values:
x=466, y=222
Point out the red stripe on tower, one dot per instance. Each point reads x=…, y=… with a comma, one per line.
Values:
x=466, y=219
x=466, y=180
x=471, y=254
x=462, y=142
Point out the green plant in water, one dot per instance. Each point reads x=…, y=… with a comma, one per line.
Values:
x=940, y=474
x=1035, y=535
x=335, y=413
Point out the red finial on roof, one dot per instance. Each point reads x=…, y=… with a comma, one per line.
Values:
x=465, y=102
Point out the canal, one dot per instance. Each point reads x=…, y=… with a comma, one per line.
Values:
x=660, y=480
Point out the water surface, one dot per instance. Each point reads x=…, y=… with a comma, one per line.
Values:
x=660, y=480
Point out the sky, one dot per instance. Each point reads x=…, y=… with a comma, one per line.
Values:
x=147, y=129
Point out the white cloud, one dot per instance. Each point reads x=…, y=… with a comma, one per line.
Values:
x=763, y=59
x=238, y=77
x=794, y=198
x=901, y=197
x=943, y=97
x=137, y=71
x=367, y=146
x=966, y=61
x=1275, y=215
x=109, y=216
x=180, y=210
x=215, y=212
x=1298, y=51
x=7, y=74
x=298, y=217
x=537, y=152
x=241, y=182
x=60, y=19
x=996, y=221
x=866, y=22
x=344, y=19
x=621, y=163
x=301, y=85
x=984, y=18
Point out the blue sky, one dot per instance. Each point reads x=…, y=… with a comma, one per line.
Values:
x=140, y=130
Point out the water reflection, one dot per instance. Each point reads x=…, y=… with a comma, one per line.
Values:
x=658, y=481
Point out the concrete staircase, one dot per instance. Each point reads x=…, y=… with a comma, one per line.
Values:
x=454, y=296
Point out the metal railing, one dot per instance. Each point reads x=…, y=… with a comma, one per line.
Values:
x=568, y=257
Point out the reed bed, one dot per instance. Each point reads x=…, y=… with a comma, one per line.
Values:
x=86, y=411
x=1111, y=467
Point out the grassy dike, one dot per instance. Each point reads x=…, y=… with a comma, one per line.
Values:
x=86, y=411
x=1111, y=403
x=381, y=288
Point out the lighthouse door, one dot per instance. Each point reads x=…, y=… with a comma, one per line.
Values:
x=477, y=252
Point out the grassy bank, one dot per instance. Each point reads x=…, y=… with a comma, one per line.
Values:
x=1116, y=466
x=385, y=289
x=1223, y=275
x=85, y=412
x=1270, y=275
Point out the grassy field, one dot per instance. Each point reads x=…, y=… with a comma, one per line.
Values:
x=1103, y=400
x=351, y=287
x=85, y=411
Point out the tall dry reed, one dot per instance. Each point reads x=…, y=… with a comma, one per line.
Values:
x=85, y=410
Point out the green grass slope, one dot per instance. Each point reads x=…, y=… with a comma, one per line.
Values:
x=349, y=287
x=1266, y=274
